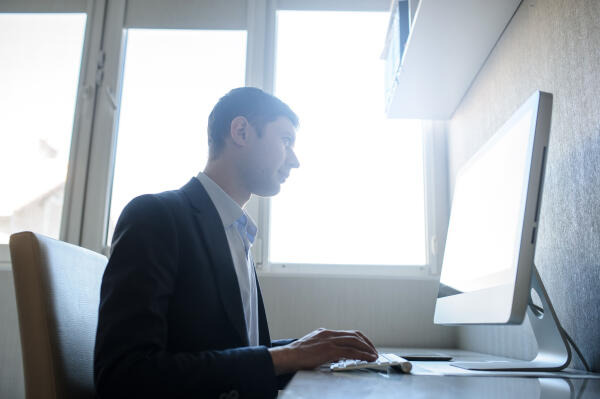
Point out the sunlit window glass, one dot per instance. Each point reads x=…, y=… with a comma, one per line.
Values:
x=358, y=195
x=172, y=79
x=40, y=57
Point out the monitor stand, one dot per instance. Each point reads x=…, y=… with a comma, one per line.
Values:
x=554, y=353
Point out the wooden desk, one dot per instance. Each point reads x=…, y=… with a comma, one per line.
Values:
x=373, y=384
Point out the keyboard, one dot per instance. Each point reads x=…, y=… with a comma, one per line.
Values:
x=384, y=361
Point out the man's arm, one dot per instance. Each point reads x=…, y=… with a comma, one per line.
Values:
x=131, y=359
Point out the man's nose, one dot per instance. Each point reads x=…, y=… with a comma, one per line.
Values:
x=292, y=160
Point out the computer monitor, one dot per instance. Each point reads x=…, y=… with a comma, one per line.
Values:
x=488, y=272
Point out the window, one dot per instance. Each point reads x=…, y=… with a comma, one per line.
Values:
x=40, y=57
x=150, y=74
x=172, y=79
x=358, y=196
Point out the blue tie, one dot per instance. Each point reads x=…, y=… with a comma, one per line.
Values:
x=246, y=230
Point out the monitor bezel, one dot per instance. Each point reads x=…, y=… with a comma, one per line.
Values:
x=507, y=304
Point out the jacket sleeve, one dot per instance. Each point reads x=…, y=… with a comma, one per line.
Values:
x=130, y=358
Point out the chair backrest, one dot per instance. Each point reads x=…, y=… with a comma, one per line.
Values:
x=57, y=287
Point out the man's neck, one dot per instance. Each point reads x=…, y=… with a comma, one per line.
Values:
x=228, y=180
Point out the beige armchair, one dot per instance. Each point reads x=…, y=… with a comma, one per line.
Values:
x=57, y=288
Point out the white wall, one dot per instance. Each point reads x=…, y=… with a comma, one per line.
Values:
x=390, y=311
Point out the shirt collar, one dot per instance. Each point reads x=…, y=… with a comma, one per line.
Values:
x=228, y=209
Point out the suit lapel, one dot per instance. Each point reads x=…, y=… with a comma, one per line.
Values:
x=217, y=247
x=263, y=327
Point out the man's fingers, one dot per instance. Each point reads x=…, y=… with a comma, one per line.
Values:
x=367, y=340
x=352, y=341
x=359, y=335
x=343, y=352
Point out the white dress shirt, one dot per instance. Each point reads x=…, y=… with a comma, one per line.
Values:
x=240, y=230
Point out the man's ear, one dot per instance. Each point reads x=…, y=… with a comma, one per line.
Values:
x=239, y=130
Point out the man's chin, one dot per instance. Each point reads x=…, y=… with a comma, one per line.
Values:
x=268, y=191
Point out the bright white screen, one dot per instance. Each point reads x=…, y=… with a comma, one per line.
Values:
x=487, y=212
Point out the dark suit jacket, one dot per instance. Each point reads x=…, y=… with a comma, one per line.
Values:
x=171, y=322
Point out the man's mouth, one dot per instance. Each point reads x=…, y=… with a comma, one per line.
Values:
x=283, y=176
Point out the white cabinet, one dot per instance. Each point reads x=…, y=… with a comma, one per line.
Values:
x=448, y=42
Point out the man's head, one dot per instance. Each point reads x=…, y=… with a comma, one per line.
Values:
x=252, y=103
x=253, y=133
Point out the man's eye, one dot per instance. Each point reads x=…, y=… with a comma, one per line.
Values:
x=287, y=141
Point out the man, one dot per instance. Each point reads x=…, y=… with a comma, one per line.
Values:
x=181, y=312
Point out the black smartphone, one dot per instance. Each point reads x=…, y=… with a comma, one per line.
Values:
x=425, y=357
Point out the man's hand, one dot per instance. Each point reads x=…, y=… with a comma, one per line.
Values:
x=322, y=346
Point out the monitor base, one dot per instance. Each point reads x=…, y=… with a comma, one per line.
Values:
x=554, y=352
x=508, y=365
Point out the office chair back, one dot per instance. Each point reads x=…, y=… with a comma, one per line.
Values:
x=57, y=288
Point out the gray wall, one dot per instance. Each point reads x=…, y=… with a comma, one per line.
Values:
x=554, y=46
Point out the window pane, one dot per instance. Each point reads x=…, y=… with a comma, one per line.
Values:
x=358, y=196
x=172, y=79
x=40, y=57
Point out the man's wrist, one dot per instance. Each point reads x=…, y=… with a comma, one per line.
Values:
x=281, y=359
